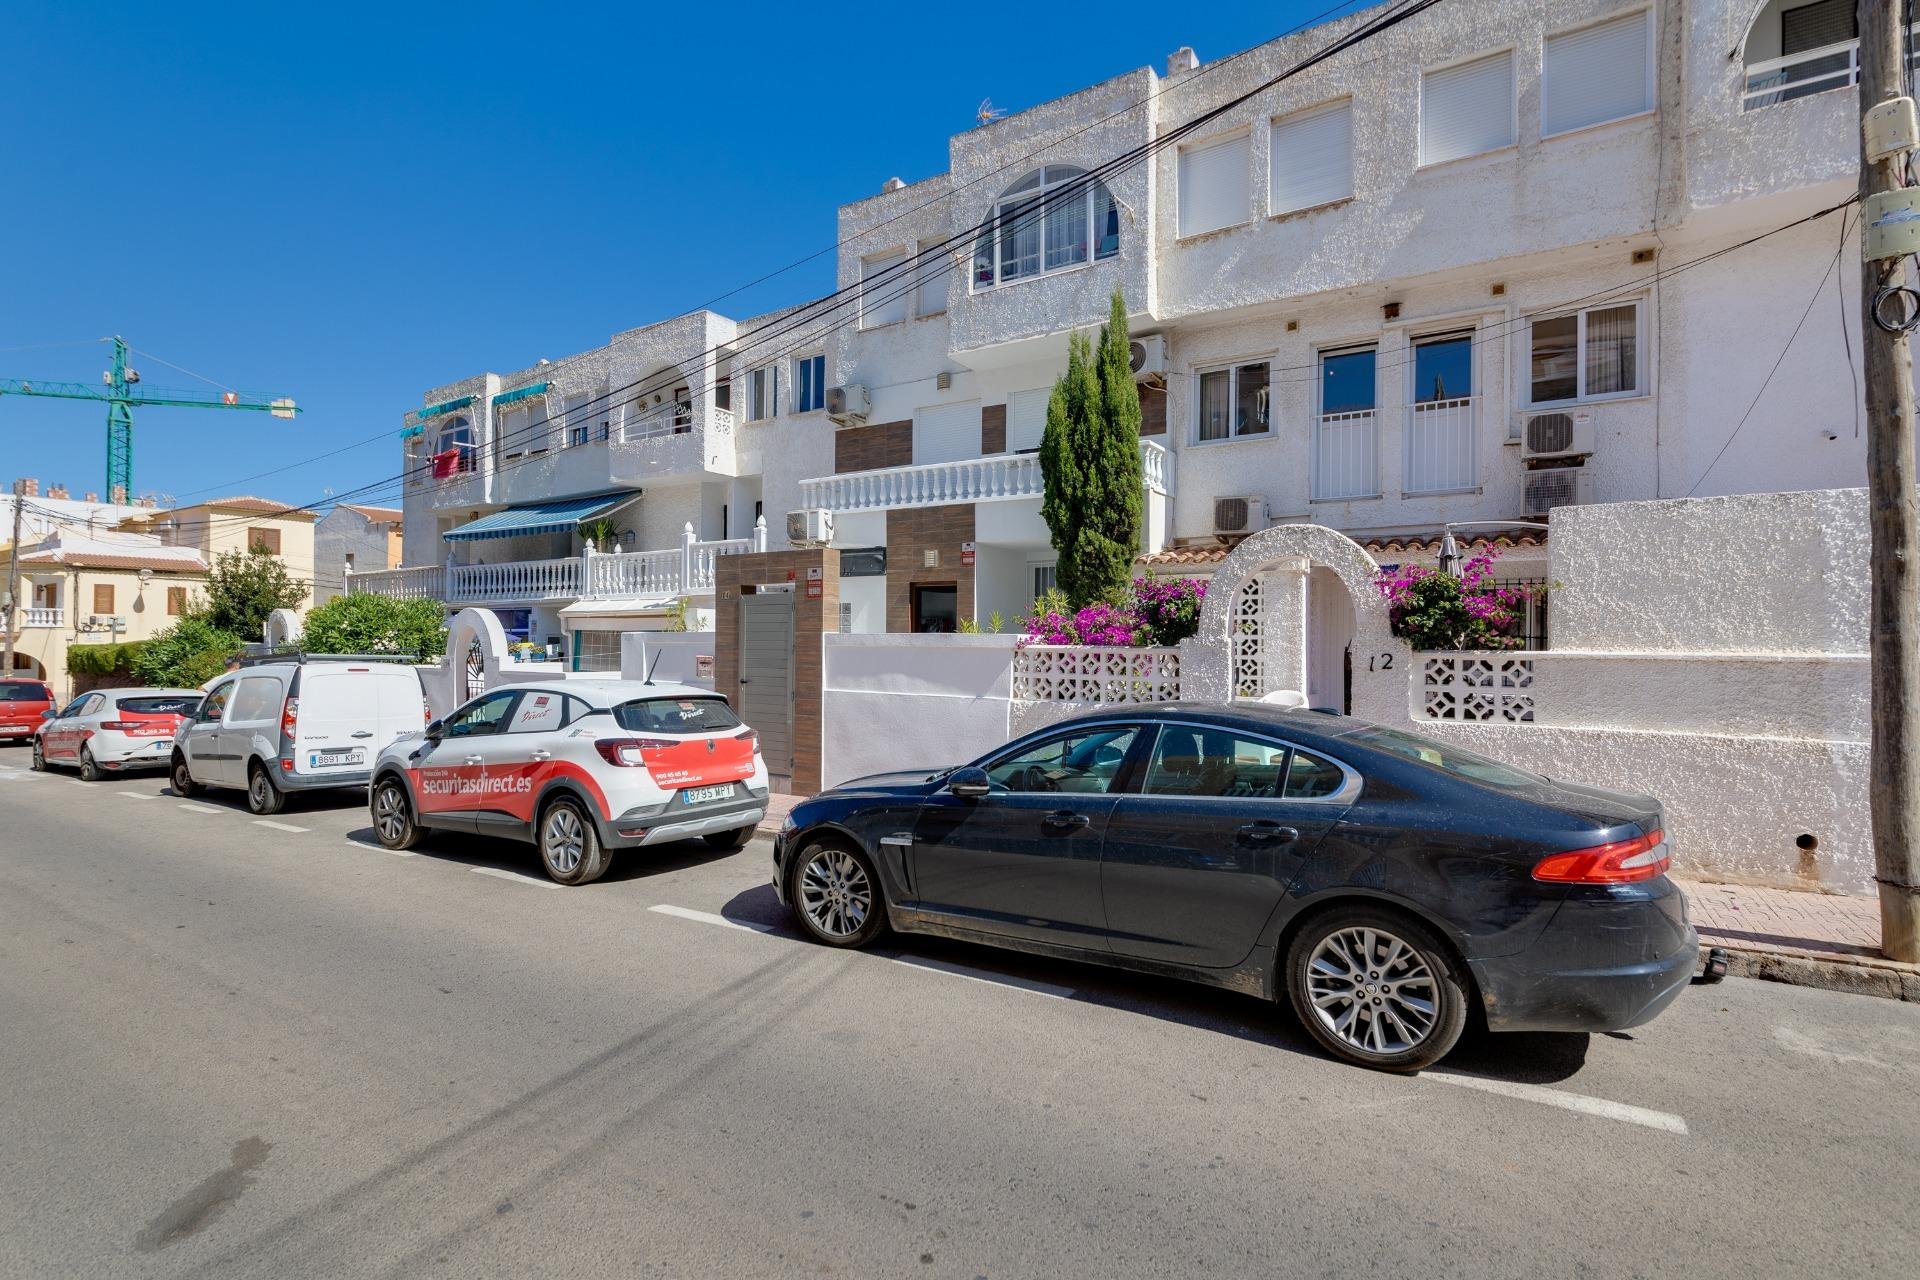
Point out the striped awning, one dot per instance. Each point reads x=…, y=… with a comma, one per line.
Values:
x=521, y=393
x=560, y=516
x=445, y=406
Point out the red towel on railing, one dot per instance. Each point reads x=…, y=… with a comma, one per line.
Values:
x=445, y=463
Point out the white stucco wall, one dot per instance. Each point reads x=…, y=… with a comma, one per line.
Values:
x=910, y=701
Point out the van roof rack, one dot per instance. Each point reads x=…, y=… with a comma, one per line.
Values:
x=301, y=656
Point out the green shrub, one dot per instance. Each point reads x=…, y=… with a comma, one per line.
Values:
x=186, y=655
x=377, y=624
x=104, y=660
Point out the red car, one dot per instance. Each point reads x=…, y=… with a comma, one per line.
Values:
x=23, y=703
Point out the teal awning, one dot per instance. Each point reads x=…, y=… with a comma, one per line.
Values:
x=521, y=393
x=561, y=516
x=435, y=410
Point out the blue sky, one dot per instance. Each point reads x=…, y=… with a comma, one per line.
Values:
x=349, y=204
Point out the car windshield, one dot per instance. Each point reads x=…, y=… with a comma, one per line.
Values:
x=172, y=705
x=1445, y=757
x=676, y=715
x=24, y=693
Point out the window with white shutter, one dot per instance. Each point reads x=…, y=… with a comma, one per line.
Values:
x=1213, y=185
x=1597, y=74
x=946, y=433
x=1467, y=109
x=930, y=279
x=1312, y=157
x=884, y=285
x=1027, y=419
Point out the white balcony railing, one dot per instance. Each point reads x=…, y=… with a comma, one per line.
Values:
x=1800, y=75
x=1440, y=446
x=1346, y=461
x=934, y=484
x=592, y=575
x=43, y=617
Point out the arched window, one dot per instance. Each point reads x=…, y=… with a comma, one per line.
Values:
x=1052, y=219
x=456, y=434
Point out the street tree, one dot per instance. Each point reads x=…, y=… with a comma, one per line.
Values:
x=370, y=623
x=1090, y=465
x=244, y=587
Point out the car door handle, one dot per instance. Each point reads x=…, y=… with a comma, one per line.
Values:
x=474, y=760
x=745, y=680
x=1064, y=820
x=540, y=753
x=364, y=733
x=1273, y=831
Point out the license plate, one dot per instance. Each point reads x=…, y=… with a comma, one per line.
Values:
x=700, y=795
x=335, y=755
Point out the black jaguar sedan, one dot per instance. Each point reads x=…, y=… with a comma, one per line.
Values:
x=1386, y=883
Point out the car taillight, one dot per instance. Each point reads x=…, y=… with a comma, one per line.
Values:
x=289, y=717
x=1619, y=862
x=753, y=741
x=122, y=726
x=627, y=751
x=426, y=712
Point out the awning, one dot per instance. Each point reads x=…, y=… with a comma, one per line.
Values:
x=617, y=608
x=562, y=516
x=435, y=410
x=521, y=393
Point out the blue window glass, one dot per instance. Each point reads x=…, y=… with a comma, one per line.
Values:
x=1443, y=369
x=810, y=384
x=1346, y=381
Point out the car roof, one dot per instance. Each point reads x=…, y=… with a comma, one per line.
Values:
x=154, y=693
x=1297, y=723
x=603, y=694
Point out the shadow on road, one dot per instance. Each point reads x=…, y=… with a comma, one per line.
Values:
x=1519, y=1057
x=515, y=855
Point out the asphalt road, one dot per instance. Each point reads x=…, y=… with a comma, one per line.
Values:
x=244, y=1048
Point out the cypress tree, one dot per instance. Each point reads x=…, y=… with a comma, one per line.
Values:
x=1090, y=461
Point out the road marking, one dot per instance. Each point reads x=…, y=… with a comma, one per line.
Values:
x=1580, y=1102
x=990, y=978
x=503, y=874
x=380, y=848
x=190, y=807
x=141, y=795
x=281, y=826
x=707, y=917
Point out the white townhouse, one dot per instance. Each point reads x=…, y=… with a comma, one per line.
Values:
x=1460, y=274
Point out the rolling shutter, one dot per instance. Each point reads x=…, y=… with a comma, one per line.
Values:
x=946, y=433
x=1596, y=74
x=886, y=301
x=1467, y=109
x=1026, y=419
x=1312, y=157
x=1213, y=185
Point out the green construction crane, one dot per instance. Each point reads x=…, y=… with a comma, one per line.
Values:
x=120, y=388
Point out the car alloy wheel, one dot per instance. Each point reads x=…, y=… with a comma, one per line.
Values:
x=1373, y=991
x=39, y=761
x=570, y=848
x=836, y=893
x=393, y=822
x=89, y=767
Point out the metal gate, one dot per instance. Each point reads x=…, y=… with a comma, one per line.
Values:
x=766, y=674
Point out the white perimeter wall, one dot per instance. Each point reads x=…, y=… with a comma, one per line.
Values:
x=911, y=702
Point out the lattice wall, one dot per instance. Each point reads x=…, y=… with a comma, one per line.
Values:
x=1477, y=686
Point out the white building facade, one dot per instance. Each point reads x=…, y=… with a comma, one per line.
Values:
x=1353, y=293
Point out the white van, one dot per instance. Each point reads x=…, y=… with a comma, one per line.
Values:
x=276, y=726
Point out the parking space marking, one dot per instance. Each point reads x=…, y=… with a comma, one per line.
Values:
x=189, y=806
x=1663, y=1120
x=281, y=826
x=985, y=975
x=504, y=874
x=142, y=795
x=707, y=917
x=380, y=848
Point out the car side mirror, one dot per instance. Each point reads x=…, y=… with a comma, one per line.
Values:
x=969, y=783
x=436, y=731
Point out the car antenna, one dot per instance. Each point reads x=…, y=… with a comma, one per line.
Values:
x=657, y=655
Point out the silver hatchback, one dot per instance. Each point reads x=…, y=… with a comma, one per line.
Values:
x=114, y=730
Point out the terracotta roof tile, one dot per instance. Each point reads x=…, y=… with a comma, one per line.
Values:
x=105, y=560
x=1206, y=555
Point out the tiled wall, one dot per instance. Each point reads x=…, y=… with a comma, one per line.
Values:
x=868, y=448
x=911, y=533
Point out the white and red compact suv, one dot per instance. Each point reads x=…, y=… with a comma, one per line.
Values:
x=578, y=769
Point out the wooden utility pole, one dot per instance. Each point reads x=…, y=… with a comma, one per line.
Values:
x=13, y=576
x=1894, y=628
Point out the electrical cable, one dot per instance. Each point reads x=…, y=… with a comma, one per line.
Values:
x=1846, y=335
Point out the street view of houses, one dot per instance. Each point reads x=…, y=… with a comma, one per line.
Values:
x=1295, y=658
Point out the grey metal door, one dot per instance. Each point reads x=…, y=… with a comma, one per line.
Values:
x=766, y=675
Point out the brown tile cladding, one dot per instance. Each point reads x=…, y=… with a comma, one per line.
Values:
x=911, y=532
x=735, y=576
x=993, y=429
x=882, y=444
x=1153, y=410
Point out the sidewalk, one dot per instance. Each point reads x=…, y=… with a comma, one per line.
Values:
x=1825, y=940
x=779, y=805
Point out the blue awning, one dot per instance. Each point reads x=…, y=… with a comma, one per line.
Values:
x=560, y=516
x=521, y=393
x=446, y=406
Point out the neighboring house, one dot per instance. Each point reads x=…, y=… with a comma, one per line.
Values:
x=1433, y=280
x=236, y=524
x=100, y=588
x=49, y=509
x=353, y=539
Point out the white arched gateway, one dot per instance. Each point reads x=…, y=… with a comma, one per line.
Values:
x=1283, y=612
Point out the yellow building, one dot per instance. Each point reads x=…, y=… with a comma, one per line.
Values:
x=235, y=524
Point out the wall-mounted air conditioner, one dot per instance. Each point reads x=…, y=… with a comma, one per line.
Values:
x=849, y=405
x=810, y=528
x=1147, y=355
x=1565, y=434
x=1242, y=514
x=1551, y=487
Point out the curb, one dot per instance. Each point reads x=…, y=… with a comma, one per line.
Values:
x=1866, y=976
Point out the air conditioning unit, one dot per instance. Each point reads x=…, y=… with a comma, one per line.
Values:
x=1244, y=514
x=1552, y=487
x=849, y=404
x=1556, y=435
x=1147, y=354
x=810, y=528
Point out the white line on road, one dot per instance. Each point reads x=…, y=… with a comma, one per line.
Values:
x=142, y=795
x=188, y=806
x=504, y=874
x=1662, y=1120
x=281, y=826
x=981, y=975
x=707, y=917
x=380, y=848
